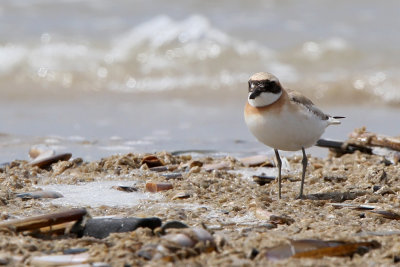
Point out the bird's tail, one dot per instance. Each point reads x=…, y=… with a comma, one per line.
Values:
x=335, y=120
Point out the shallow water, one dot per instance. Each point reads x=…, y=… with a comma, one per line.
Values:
x=140, y=77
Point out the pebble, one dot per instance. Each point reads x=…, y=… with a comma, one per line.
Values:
x=157, y=187
x=102, y=227
x=39, y=195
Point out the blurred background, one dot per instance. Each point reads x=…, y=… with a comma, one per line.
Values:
x=99, y=77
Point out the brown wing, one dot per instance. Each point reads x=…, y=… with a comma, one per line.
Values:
x=300, y=99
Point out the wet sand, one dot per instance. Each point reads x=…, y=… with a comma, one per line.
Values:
x=220, y=195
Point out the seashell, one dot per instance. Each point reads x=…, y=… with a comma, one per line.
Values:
x=37, y=222
x=60, y=260
x=281, y=219
x=262, y=214
x=202, y=235
x=128, y=189
x=353, y=206
x=258, y=160
x=216, y=166
x=314, y=248
x=159, y=169
x=173, y=225
x=181, y=195
x=39, y=195
x=157, y=187
x=195, y=163
x=180, y=239
x=44, y=161
x=172, y=175
x=41, y=150
x=152, y=161
x=74, y=251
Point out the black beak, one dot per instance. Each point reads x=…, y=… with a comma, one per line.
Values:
x=254, y=94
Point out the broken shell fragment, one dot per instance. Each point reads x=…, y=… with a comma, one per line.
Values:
x=39, y=194
x=128, y=189
x=216, y=166
x=181, y=195
x=45, y=161
x=41, y=150
x=173, y=225
x=313, y=248
x=255, y=161
x=60, y=260
x=37, y=222
x=157, y=187
x=180, y=239
x=151, y=161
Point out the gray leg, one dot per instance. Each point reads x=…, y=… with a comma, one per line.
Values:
x=303, y=175
x=278, y=160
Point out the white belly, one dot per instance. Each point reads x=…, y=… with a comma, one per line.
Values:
x=286, y=130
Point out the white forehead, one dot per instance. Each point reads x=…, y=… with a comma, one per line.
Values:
x=263, y=76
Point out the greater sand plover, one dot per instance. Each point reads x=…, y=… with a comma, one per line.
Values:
x=283, y=119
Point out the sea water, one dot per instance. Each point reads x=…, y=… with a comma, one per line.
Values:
x=100, y=77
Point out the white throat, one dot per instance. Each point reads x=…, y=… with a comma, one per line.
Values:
x=264, y=99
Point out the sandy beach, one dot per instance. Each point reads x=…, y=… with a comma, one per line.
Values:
x=351, y=198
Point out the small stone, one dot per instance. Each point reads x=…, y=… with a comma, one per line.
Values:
x=102, y=227
x=376, y=188
x=253, y=253
x=157, y=187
